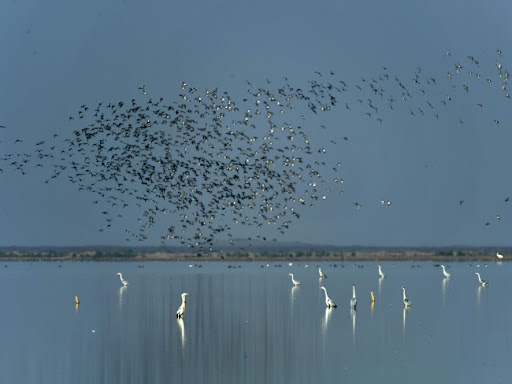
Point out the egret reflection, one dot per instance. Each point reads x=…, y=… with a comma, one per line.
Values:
x=478, y=294
x=181, y=324
x=327, y=316
x=353, y=313
x=404, y=317
x=444, y=284
x=121, y=291
x=294, y=291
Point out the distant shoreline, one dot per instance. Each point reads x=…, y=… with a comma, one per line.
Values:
x=299, y=253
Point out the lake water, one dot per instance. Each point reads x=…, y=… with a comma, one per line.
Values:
x=249, y=325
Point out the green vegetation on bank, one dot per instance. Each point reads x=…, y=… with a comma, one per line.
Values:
x=298, y=252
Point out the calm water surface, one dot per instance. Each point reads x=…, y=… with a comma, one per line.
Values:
x=250, y=325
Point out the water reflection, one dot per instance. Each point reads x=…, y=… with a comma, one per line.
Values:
x=444, y=284
x=404, y=318
x=294, y=291
x=121, y=291
x=353, y=313
x=327, y=315
x=241, y=329
x=181, y=324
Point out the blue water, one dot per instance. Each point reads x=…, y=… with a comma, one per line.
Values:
x=249, y=325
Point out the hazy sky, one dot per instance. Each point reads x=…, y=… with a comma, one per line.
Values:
x=62, y=55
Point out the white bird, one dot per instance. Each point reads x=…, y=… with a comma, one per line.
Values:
x=295, y=282
x=125, y=282
x=181, y=309
x=499, y=255
x=328, y=301
x=381, y=274
x=322, y=275
x=407, y=302
x=353, y=301
x=483, y=282
x=446, y=274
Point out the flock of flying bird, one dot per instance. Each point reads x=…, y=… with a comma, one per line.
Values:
x=214, y=160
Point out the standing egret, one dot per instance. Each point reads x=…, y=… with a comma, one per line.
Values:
x=77, y=300
x=295, y=282
x=125, y=282
x=381, y=274
x=322, y=275
x=181, y=309
x=328, y=301
x=446, y=274
x=499, y=255
x=482, y=282
x=353, y=301
x=407, y=302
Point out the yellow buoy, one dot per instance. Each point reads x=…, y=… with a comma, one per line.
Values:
x=373, y=297
x=77, y=301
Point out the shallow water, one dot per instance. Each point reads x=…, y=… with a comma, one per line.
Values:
x=249, y=325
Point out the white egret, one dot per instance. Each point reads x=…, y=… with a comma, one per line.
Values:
x=328, y=301
x=407, y=302
x=125, y=282
x=353, y=301
x=322, y=275
x=446, y=274
x=181, y=309
x=482, y=282
x=381, y=274
x=499, y=255
x=295, y=282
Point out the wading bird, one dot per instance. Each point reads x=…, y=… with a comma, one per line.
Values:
x=295, y=282
x=322, y=275
x=181, y=309
x=407, y=302
x=328, y=301
x=353, y=301
x=446, y=274
x=381, y=274
x=482, y=282
x=125, y=282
